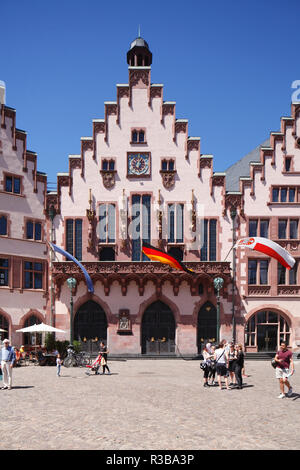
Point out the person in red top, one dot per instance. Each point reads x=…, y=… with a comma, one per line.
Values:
x=284, y=368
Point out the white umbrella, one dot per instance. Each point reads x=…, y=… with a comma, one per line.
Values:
x=40, y=328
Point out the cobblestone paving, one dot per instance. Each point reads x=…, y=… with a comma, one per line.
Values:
x=147, y=404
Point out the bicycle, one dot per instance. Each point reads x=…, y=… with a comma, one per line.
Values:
x=76, y=360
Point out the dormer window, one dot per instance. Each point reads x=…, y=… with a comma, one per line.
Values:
x=138, y=136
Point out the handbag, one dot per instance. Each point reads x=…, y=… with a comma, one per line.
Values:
x=274, y=363
x=203, y=366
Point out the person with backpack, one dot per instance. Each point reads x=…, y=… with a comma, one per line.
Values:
x=205, y=366
x=221, y=359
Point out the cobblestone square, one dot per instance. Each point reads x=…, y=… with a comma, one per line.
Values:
x=147, y=404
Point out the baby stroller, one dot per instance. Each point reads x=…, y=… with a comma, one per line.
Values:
x=95, y=365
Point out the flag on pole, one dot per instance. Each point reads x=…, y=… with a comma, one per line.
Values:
x=268, y=247
x=158, y=255
x=69, y=256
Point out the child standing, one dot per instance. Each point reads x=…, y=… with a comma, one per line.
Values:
x=58, y=365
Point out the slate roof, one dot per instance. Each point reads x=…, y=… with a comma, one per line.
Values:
x=242, y=167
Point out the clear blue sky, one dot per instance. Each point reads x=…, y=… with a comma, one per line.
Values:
x=229, y=66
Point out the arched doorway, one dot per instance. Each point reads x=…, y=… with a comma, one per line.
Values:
x=158, y=329
x=32, y=339
x=207, y=325
x=4, y=326
x=90, y=326
x=265, y=330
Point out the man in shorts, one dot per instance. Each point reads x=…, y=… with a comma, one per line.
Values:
x=284, y=368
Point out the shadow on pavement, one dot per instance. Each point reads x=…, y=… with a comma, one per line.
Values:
x=20, y=386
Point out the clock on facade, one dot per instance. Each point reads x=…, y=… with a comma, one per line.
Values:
x=138, y=164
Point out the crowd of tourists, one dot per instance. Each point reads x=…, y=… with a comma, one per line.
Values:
x=226, y=361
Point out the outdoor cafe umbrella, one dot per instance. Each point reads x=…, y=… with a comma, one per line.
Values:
x=40, y=328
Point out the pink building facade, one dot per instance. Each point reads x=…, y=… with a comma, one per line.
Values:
x=23, y=254
x=141, y=177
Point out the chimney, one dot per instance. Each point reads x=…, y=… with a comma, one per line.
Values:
x=2, y=92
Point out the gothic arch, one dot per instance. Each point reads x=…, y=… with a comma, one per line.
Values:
x=30, y=313
x=144, y=305
x=88, y=296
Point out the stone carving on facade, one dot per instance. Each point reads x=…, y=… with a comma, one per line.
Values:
x=288, y=290
x=52, y=200
x=193, y=145
x=124, y=322
x=75, y=163
x=123, y=92
x=259, y=290
x=168, y=109
x=168, y=178
x=232, y=201
x=99, y=127
x=111, y=109
x=155, y=92
x=205, y=162
x=108, y=178
x=136, y=75
x=87, y=145
x=180, y=127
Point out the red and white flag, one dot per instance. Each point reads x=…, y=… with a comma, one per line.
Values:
x=268, y=247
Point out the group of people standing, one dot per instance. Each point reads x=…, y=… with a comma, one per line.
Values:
x=226, y=360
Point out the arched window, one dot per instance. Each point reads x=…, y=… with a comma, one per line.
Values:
x=265, y=330
x=32, y=339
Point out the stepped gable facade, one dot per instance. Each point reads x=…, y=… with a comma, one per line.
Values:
x=267, y=194
x=140, y=176
x=23, y=254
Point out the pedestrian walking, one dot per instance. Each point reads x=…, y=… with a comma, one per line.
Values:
x=221, y=359
x=212, y=369
x=239, y=365
x=104, y=351
x=231, y=363
x=284, y=369
x=206, y=352
x=58, y=365
x=8, y=358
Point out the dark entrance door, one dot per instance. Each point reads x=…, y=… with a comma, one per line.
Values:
x=207, y=325
x=158, y=330
x=267, y=338
x=90, y=326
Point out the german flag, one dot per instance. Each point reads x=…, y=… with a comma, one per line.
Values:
x=158, y=255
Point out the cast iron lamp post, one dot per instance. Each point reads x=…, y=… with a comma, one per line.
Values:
x=233, y=213
x=51, y=213
x=71, y=284
x=218, y=284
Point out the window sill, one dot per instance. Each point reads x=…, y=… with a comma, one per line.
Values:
x=12, y=194
x=287, y=203
x=138, y=143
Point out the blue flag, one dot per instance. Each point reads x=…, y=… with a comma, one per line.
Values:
x=68, y=255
